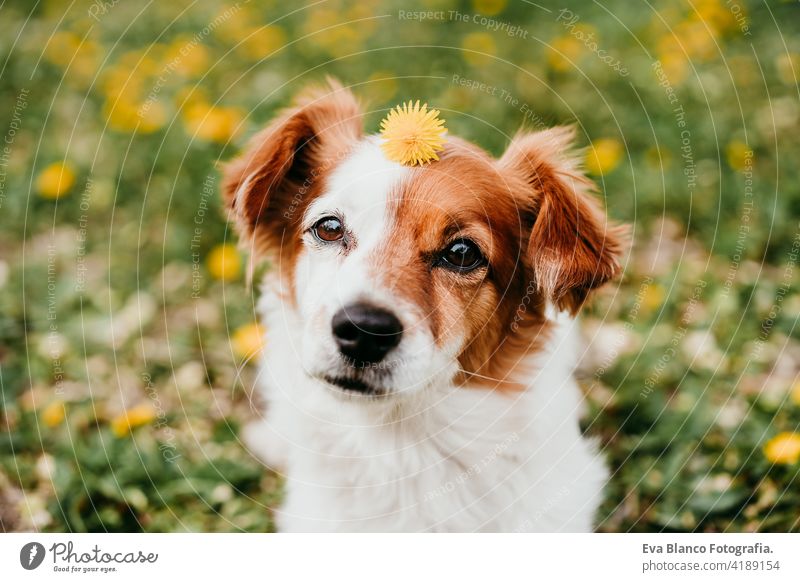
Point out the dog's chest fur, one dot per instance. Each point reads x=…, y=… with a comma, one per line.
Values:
x=462, y=459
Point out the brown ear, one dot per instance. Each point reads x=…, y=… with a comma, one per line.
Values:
x=268, y=187
x=572, y=249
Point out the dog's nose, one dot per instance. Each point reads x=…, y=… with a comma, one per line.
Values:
x=366, y=333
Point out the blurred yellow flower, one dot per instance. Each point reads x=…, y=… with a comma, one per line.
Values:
x=206, y=122
x=489, y=7
x=783, y=449
x=53, y=414
x=224, y=262
x=716, y=16
x=259, y=43
x=139, y=415
x=61, y=47
x=739, y=156
x=788, y=67
x=118, y=81
x=563, y=52
x=188, y=96
x=795, y=395
x=233, y=22
x=675, y=66
x=127, y=116
x=73, y=53
x=483, y=46
x=248, y=340
x=188, y=57
x=603, y=156
x=653, y=297
x=152, y=116
x=696, y=40
x=657, y=157
x=55, y=180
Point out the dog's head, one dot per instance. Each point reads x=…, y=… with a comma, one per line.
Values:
x=406, y=276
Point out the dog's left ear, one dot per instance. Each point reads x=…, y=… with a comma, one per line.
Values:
x=572, y=249
x=267, y=186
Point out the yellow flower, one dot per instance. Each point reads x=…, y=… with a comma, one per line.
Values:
x=653, y=297
x=604, y=155
x=739, y=156
x=55, y=180
x=479, y=47
x=53, y=413
x=127, y=116
x=188, y=96
x=152, y=116
x=657, y=157
x=675, y=66
x=248, y=340
x=489, y=7
x=234, y=22
x=716, y=16
x=412, y=134
x=788, y=66
x=189, y=57
x=795, y=396
x=139, y=415
x=563, y=52
x=224, y=262
x=260, y=43
x=696, y=40
x=210, y=123
x=783, y=449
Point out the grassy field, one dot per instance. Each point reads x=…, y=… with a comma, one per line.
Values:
x=127, y=331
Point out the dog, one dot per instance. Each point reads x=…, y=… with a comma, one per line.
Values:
x=421, y=338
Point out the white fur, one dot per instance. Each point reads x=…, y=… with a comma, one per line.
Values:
x=432, y=458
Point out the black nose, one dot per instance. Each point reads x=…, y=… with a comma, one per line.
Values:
x=366, y=333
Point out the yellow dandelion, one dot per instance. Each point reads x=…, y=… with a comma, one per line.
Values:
x=489, y=7
x=55, y=180
x=188, y=96
x=139, y=415
x=219, y=124
x=479, y=48
x=657, y=157
x=739, y=156
x=259, y=43
x=604, y=156
x=189, y=57
x=412, y=134
x=61, y=47
x=53, y=414
x=783, y=449
x=653, y=297
x=795, y=395
x=788, y=67
x=152, y=116
x=563, y=52
x=224, y=262
x=248, y=340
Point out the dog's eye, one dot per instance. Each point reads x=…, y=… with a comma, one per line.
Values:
x=462, y=255
x=329, y=229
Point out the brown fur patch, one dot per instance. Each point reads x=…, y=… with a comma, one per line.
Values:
x=284, y=168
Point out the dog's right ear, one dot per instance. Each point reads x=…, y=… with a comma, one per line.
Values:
x=268, y=187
